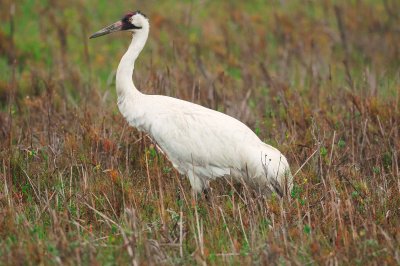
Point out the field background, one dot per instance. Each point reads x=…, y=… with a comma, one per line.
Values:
x=319, y=80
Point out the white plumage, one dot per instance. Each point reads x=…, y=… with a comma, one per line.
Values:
x=201, y=143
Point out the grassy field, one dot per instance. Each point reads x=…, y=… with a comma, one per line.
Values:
x=320, y=80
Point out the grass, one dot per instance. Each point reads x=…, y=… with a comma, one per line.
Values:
x=318, y=79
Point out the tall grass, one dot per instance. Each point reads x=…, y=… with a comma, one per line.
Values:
x=317, y=79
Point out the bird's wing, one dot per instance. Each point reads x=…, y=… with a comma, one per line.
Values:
x=191, y=134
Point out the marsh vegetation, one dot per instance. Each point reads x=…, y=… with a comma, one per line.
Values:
x=317, y=79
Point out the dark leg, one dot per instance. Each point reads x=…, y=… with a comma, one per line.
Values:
x=207, y=193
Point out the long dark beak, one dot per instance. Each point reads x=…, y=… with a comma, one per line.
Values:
x=117, y=26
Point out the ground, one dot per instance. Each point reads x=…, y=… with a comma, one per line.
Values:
x=319, y=80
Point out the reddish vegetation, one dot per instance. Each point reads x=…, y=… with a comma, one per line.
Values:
x=320, y=82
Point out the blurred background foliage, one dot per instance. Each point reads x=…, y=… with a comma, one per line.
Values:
x=299, y=42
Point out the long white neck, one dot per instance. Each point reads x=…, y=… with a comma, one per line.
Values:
x=124, y=83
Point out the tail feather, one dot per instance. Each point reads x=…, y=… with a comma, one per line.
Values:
x=282, y=180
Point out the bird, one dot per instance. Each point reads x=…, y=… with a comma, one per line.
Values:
x=201, y=143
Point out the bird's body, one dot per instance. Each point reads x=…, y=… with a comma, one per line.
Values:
x=201, y=143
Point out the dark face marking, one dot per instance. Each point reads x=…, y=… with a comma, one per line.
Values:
x=126, y=24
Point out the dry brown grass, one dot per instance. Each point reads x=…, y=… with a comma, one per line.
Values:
x=320, y=82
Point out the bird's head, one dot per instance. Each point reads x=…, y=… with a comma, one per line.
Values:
x=133, y=21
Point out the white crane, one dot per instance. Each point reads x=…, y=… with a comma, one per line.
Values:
x=201, y=143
